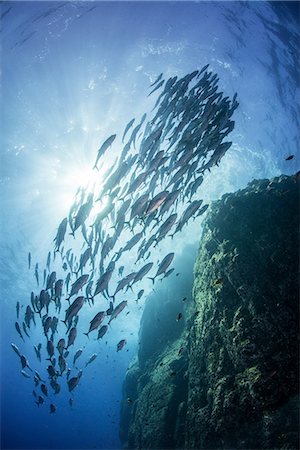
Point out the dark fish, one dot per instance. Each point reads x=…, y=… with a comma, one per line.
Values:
x=51, y=280
x=61, y=346
x=48, y=261
x=18, y=309
x=163, y=265
x=157, y=80
x=91, y=359
x=127, y=128
x=77, y=355
x=36, y=273
x=102, y=283
x=51, y=370
x=78, y=284
x=24, y=329
x=72, y=336
x=178, y=317
x=121, y=344
x=156, y=87
x=83, y=213
x=44, y=389
x=40, y=400
x=15, y=349
x=38, y=353
x=62, y=364
x=102, y=331
x=29, y=260
x=24, y=362
x=52, y=408
x=117, y=310
x=73, y=309
x=96, y=321
x=288, y=158
x=140, y=294
x=156, y=202
x=19, y=330
x=142, y=272
x=50, y=348
x=25, y=374
x=106, y=144
x=60, y=235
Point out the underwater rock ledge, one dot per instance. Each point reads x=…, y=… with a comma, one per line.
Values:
x=236, y=384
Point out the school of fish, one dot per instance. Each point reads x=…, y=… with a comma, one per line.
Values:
x=149, y=194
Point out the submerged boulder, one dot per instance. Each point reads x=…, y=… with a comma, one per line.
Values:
x=237, y=383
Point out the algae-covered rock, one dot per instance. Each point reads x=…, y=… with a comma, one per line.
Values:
x=228, y=376
x=244, y=345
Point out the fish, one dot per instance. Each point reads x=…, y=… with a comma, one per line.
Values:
x=44, y=389
x=25, y=374
x=156, y=202
x=106, y=144
x=72, y=336
x=119, y=308
x=142, y=272
x=96, y=321
x=62, y=364
x=121, y=344
x=77, y=355
x=36, y=273
x=60, y=235
x=19, y=331
x=91, y=359
x=58, y=287
x=157, y=79
x=156, y=87
x=132, y=242
x=50, y=349
x=73, y=382
x=18, y=309
x=103, y=281
x=24, y=329
x=38, y=353
x=289, y=158
x=73, y=309
x=24, y=362
x=163, y=265
x=40, y=400
x=51, y=371
x=78, y=285
x=16, y=350
x=102, y=331
x=82, y=215
x=127, y=128
x=48, y=261
x=52, y=408
x=51, y=280
x=168, y=273
x=61, y=346
x=29, y=260
x=178, y=317
x=140, y=294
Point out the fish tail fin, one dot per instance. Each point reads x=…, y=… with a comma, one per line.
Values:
x=95, y=167
x=87, y=334
x=72, y=234
x=152, y=279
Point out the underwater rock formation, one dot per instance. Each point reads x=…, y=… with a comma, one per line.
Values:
x=230, y=377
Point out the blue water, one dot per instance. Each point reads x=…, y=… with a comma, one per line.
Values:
x=72, y=74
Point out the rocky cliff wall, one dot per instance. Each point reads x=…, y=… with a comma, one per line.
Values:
x=228, y=376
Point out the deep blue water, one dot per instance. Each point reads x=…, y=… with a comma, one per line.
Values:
x=74, y=73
